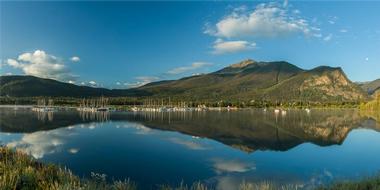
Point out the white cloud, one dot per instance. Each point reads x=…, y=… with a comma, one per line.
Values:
x=41, y=64
x=367, y=59
x=141, y=81
x=315, y=28
x=146, y=79
x=332, y=19
x=118, y=83
x=343, y=30
x=296, y=11
x=193, y=66
x=221, y=46
x=266, y=20
x=71, y=82
x=92, y=83
x=328, y=37
x=13, y=63
x=75, y=59
x=8, y=74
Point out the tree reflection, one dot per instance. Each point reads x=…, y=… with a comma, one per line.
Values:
x=100, y=116
x=45, y=116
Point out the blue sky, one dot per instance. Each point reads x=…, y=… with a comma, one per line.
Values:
x=126, y=44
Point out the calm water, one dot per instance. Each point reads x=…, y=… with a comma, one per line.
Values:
x=218, y=148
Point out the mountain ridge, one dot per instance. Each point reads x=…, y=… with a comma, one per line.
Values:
x=371, y=86
x=262, y=80
x=245, y=80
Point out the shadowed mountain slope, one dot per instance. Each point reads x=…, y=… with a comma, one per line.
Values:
x=247, y=80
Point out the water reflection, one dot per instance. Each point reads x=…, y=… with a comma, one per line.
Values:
x=40, y=143
x=191, y=146
x=138, y=128
x=248, y=130
x=222, y=165
x=100, y=116
x=257, y=130
x=45, y=115
x=73, y=150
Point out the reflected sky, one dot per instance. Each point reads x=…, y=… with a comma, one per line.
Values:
x=219, y=148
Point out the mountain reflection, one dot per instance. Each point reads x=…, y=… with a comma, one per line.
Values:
x=256, y=130
x=247, y=130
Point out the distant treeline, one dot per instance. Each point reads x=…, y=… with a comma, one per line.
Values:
x=155, y=102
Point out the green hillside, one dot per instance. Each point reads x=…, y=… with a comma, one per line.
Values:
x=245, y=81
x=30, y=86
x=272, y=81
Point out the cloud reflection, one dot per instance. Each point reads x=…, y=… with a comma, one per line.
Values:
x=139, y=129
x=191, y=144
x=73, y=150
x=225, y=166
x=41, y=143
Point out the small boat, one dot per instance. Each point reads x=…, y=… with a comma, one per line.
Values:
x=102, y=109
x=43, y=109
x=307, y=110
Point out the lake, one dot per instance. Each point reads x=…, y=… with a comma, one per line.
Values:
x=218, y=148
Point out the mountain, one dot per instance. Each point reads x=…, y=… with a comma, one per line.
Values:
x=246, y=80
x=30, y=86
x=271, y=81
x=371, y=87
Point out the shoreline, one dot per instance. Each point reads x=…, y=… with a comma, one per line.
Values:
x=211, y=108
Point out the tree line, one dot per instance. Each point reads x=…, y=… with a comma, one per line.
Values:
x=143, y=101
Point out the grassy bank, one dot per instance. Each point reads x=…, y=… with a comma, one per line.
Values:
x=364, y=184
x=371, y=109
x=20, y=171
x=373, y=105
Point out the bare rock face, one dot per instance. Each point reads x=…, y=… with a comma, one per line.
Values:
x=333, y=82
x=333, y=128
x=243, y=63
